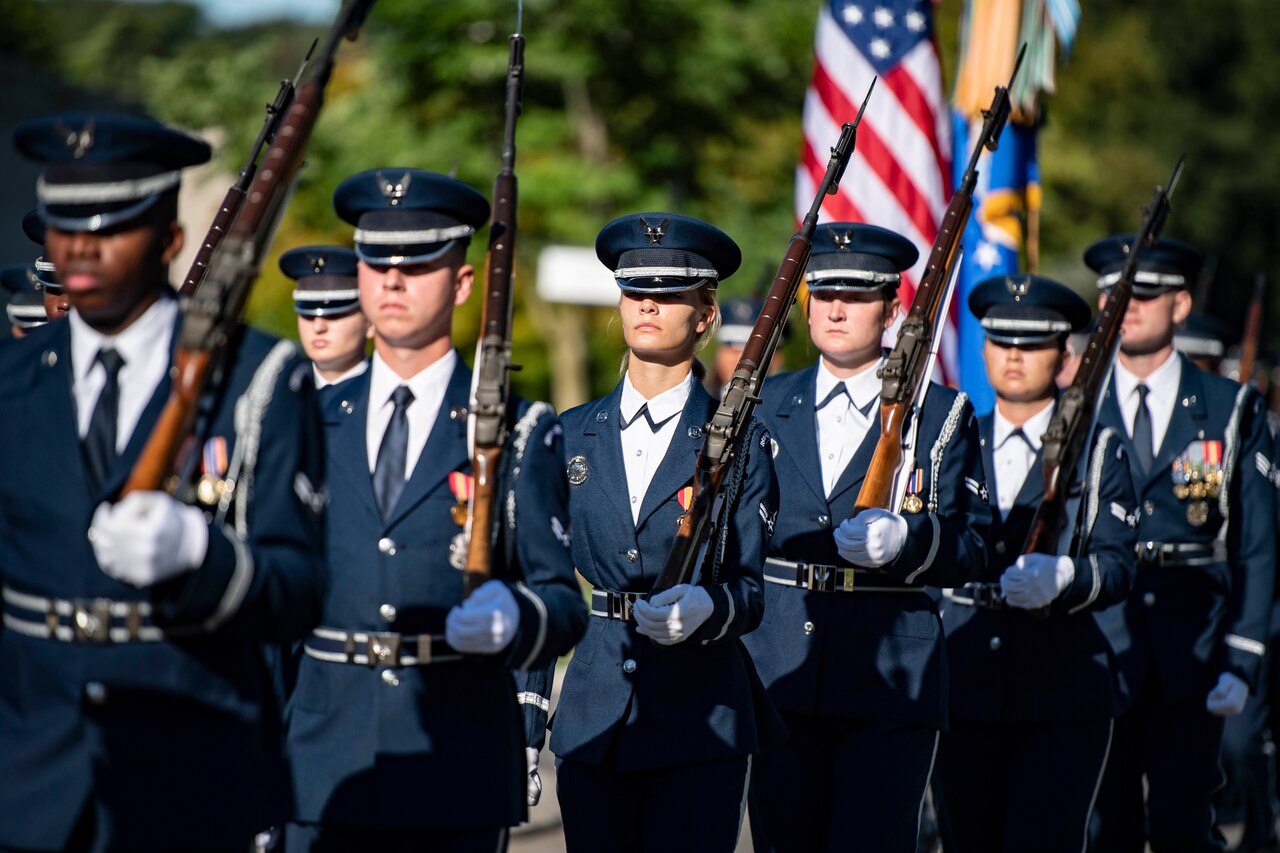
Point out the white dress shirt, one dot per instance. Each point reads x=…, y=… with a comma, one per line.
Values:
x=428, y=387
x=1162, y=396
x=642, y=448
x=841, y=424
x=321, y=382
x=145, y=347
x=1012, y=457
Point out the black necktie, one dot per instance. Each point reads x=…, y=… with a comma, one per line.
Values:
x=99, y=445
x=644, y=410
x=838, y=391
x=1143, y=449
x=1019, y=434
x=388, y=470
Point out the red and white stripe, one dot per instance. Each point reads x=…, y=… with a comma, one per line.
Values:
x=900, y=174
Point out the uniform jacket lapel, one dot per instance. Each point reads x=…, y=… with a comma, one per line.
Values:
x=1109, y=415
x=1188, y=419
x=446, y=447
x=604, y=459
x=52, y=406
x=677, y=467
x=347, y=454
x=796, y=430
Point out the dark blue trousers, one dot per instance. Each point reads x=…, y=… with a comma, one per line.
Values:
x=696, y=808
x=320, y=838
x=1016, y=787
x=840, y=784
x=1176, y=748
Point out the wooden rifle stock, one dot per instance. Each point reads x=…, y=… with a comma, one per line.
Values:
x=493, y=354
x=214, y=313
x=1252, y=330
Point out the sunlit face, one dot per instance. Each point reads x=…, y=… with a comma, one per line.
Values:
x=1023, y=374
x=1149, y=321
x=411, y=306
x=110, y=276
x=335, y=344
x=847, y=325
x=664, y=327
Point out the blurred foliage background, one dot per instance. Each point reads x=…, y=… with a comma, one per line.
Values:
x=652, y=104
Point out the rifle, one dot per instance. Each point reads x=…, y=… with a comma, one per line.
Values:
x=235, y=194
x=492, y=382
x=214, y=314
x=1252, y=330
x=905, y=373
x=723, y=433
x=1068, y=433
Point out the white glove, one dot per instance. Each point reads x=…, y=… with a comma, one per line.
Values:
x=1035, y=580
x=533, y=791
x=485, y=622
x=1229, y=697
x=873, y=538
x=148, y=537
x=673, y=615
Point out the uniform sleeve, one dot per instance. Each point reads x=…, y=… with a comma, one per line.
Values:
x=1106, y=566
x=947, y=547
x=268, y=585
x=1251, y=543
x=737, y=593
x=553, y=615
x=533, y=694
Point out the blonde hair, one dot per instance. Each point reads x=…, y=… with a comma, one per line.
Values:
x=707, y=290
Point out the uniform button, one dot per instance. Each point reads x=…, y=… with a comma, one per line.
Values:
x=808, y=627
x=995, y=644
x=628, y=666
x=387, y=546
x=387, y=612
x=1001, y=547
x=824, y=521
x=632, y=555
x=1151, y=546
x=1148, y=507
x=389, y=678
x=95, y=692
x=1149, y=599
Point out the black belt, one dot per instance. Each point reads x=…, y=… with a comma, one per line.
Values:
x=1180, y=553
x=985, y=595
x=819, y=578
x=614, y=605
x=368, y=648
x=80, y=620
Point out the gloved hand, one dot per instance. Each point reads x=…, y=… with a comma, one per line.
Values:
x=673, y=615
x=485, y=622
x=1228, y=698
x=533, y=792
x=1035, y=580
x=871, y=539
x=148, y=537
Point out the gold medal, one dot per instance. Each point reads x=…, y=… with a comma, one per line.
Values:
x=1197, y=491
x=1181, y=492
x=1197, y=513
x=458, y=512
x=912, y=504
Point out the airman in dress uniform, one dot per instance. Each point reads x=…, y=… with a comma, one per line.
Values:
x=24, y=299
x=661, y=710
x=1032, y=681
x=1204, y=340
x=851, y=647
x=404, y=731
x=333, y=330
x=1191, y=636
x=56, y=303
x=136, y=709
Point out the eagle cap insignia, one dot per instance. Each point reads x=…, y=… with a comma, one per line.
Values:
x=394, y=192
x=33, y=279
x=317, y=263
x=843, y=241
x=655, y=233
x=78, y=141
x=1017, y=288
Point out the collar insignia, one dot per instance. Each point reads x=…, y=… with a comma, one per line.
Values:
x=655, y=233
x=394, y=192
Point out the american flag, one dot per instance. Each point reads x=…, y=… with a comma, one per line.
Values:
x=900, y=174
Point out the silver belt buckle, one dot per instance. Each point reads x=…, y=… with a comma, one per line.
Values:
x=383, y=650
x=620, y=606
x=816, y=577
x=91, y=620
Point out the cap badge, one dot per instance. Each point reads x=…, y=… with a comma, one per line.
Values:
x=33, y=279
x=78, y=141
x=317, y=263
x=1017, y=288
x=655, y=233
x=394, y=192
x=843, y=241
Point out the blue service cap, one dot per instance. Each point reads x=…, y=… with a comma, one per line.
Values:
x=1168, y=265
x=1202, y=336
x=103, y=169
x=1024, y=309
x=408, y=216
x=666, y=252
x=33, y=226
x=737, y=319
x=26, y=297
x=326, y=280
x=856, y=256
